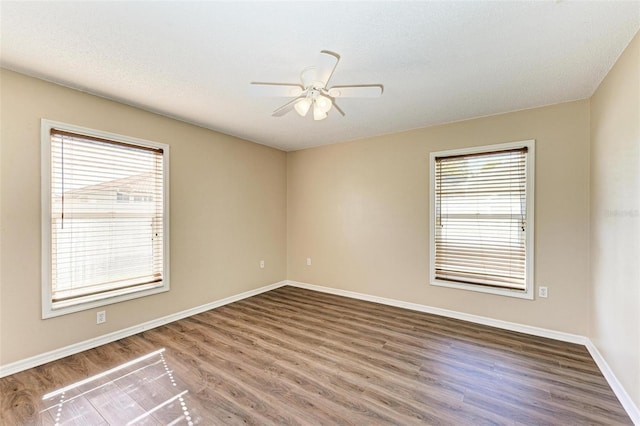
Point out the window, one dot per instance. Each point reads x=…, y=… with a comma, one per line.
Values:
x=481, y=219
x=105, y=222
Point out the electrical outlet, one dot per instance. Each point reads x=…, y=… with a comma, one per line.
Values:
x=262, y=264
x=308, y=261
x=101, y=317
x=543, y=292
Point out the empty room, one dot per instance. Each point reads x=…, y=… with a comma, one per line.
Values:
x=365, y=213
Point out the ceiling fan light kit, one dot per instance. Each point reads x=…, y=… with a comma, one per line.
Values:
x=302, y=106
x=314, y=91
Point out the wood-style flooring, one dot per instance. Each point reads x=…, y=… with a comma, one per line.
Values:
x=294, y=356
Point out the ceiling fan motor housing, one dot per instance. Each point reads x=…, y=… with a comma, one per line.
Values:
x=308, y=76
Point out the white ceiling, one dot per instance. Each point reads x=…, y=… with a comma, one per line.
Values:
x=438, y=61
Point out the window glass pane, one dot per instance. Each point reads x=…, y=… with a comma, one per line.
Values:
x=480, y=227
x=106, y=217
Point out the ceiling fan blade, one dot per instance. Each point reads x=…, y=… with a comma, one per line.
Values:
x=275, y=89
x=357, y=91
x=286, y=107
x=327, y=62
x=338, y=109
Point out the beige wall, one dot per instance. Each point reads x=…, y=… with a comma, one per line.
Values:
x=360, y=211
x=615, y=219
x=228, y=211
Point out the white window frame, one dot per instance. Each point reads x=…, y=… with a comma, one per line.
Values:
x=528, y=293
x=48, y=311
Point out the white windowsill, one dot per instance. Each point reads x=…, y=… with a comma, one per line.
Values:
x=486, y=289
x=95, y=302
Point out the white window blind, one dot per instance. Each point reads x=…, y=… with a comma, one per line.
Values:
x=107, y=204
x=481, y=218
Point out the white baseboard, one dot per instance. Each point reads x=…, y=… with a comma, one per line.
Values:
x=506, y=325
x=34, y=361
x=626, y=401
x=631, y=408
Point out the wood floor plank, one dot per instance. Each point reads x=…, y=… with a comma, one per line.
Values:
x=78, y=411
x=19, y=400
x=291, y=372
x=295, y=356
x=249, y=386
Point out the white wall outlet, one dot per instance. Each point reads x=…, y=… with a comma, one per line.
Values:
x=101, y=317
x=543, y=292
x=308, y=261
x=262, y=264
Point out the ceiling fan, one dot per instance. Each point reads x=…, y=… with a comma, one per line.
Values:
x=313, y=92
